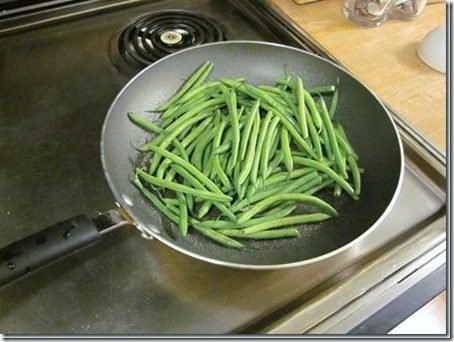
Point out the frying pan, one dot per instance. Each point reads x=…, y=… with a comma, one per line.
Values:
x=367, y=122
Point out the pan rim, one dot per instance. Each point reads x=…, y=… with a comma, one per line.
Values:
x=144, y=228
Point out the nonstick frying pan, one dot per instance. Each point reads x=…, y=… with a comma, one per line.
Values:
x=367, y=122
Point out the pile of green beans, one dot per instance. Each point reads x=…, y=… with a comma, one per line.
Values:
x=233, y=160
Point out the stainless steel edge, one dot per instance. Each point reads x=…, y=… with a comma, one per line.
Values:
x=395, y=263
x=346, y=320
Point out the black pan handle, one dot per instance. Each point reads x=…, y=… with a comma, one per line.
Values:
x=48, y=245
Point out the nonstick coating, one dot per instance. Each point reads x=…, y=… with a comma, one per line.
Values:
x=368, y=125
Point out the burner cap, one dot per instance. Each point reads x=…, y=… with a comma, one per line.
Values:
x=151, y=37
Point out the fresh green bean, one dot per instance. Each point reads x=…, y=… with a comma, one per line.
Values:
x=247, y=165
x=183, y=222
x=330, y=172
x=314, y=137
x=355, y=174
x=288, y=186
x=333, y=105
x=322, y=89
x=208, y=65
x=286, y=221
x=156, y=201
x=301, y=108
x=192, y=169
x=286, y=197
x=313, y=109
x=273, y=166
x=216, y=162
x=286, y=151
x=268, y=234
x=214, y=235
x=332, y=138
x=232, y=105
x=247, y=130
x=267, y=146
x=182, y=188
x=282, y=176
x=261, y=140
x=198, y=185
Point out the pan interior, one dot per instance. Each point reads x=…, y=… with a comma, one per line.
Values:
x=367, y=123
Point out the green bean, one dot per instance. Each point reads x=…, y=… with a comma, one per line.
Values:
x=198, y=185
x=247, y=165
x=173, y=201
x=337, y=190
x=208, y=106
x=247, y=130
x=223, y=148
x=301, y=108
x=333, y=105
x=202, y=143
x=282, y=176
x=262, y=96
x=283, y=84
x=286, y=197
x=198, y=90
x=274, y=146
x=355, y=173
x=216, y=163
x=313, y=109
x=261, y=140
x=341, y=134
x=321, y=89
x=259, y=94
x=286, y=221
x=314, y=138
x=151, y=127
x=193, y=170
x=167, y=139
x=271, y=215
x=187, y=85
x=273, y=166
x=221, y=238
x=269, y=234
x=232, y=82
x=204, y=209
x=183, y=188
x=327, y=143
x=289, y=186
x=176, y=110
x=331, y=173
x=183, y=222
x=195, y=132
x=267, y=146
x=332, y=137
x=232, y=105
x=314, y=188
x=155, y=200
x=286, y=152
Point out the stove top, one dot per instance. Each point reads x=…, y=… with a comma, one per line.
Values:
x=61, y=68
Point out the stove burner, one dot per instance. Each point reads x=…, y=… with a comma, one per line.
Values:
x=151, y=37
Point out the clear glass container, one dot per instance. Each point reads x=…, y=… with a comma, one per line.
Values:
x=376, y=12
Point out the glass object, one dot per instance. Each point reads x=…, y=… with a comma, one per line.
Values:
x=375, y=12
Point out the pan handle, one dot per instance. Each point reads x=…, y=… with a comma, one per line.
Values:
x=44, y=247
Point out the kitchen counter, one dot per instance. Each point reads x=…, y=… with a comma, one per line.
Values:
x=384, y=58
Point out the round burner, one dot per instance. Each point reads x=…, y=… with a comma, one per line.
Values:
x=151, y=37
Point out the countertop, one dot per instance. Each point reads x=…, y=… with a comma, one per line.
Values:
x=385, y=59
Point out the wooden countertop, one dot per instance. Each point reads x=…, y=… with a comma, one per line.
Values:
x=384, y=58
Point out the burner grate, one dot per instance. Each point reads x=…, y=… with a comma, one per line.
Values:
x=153, y=36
